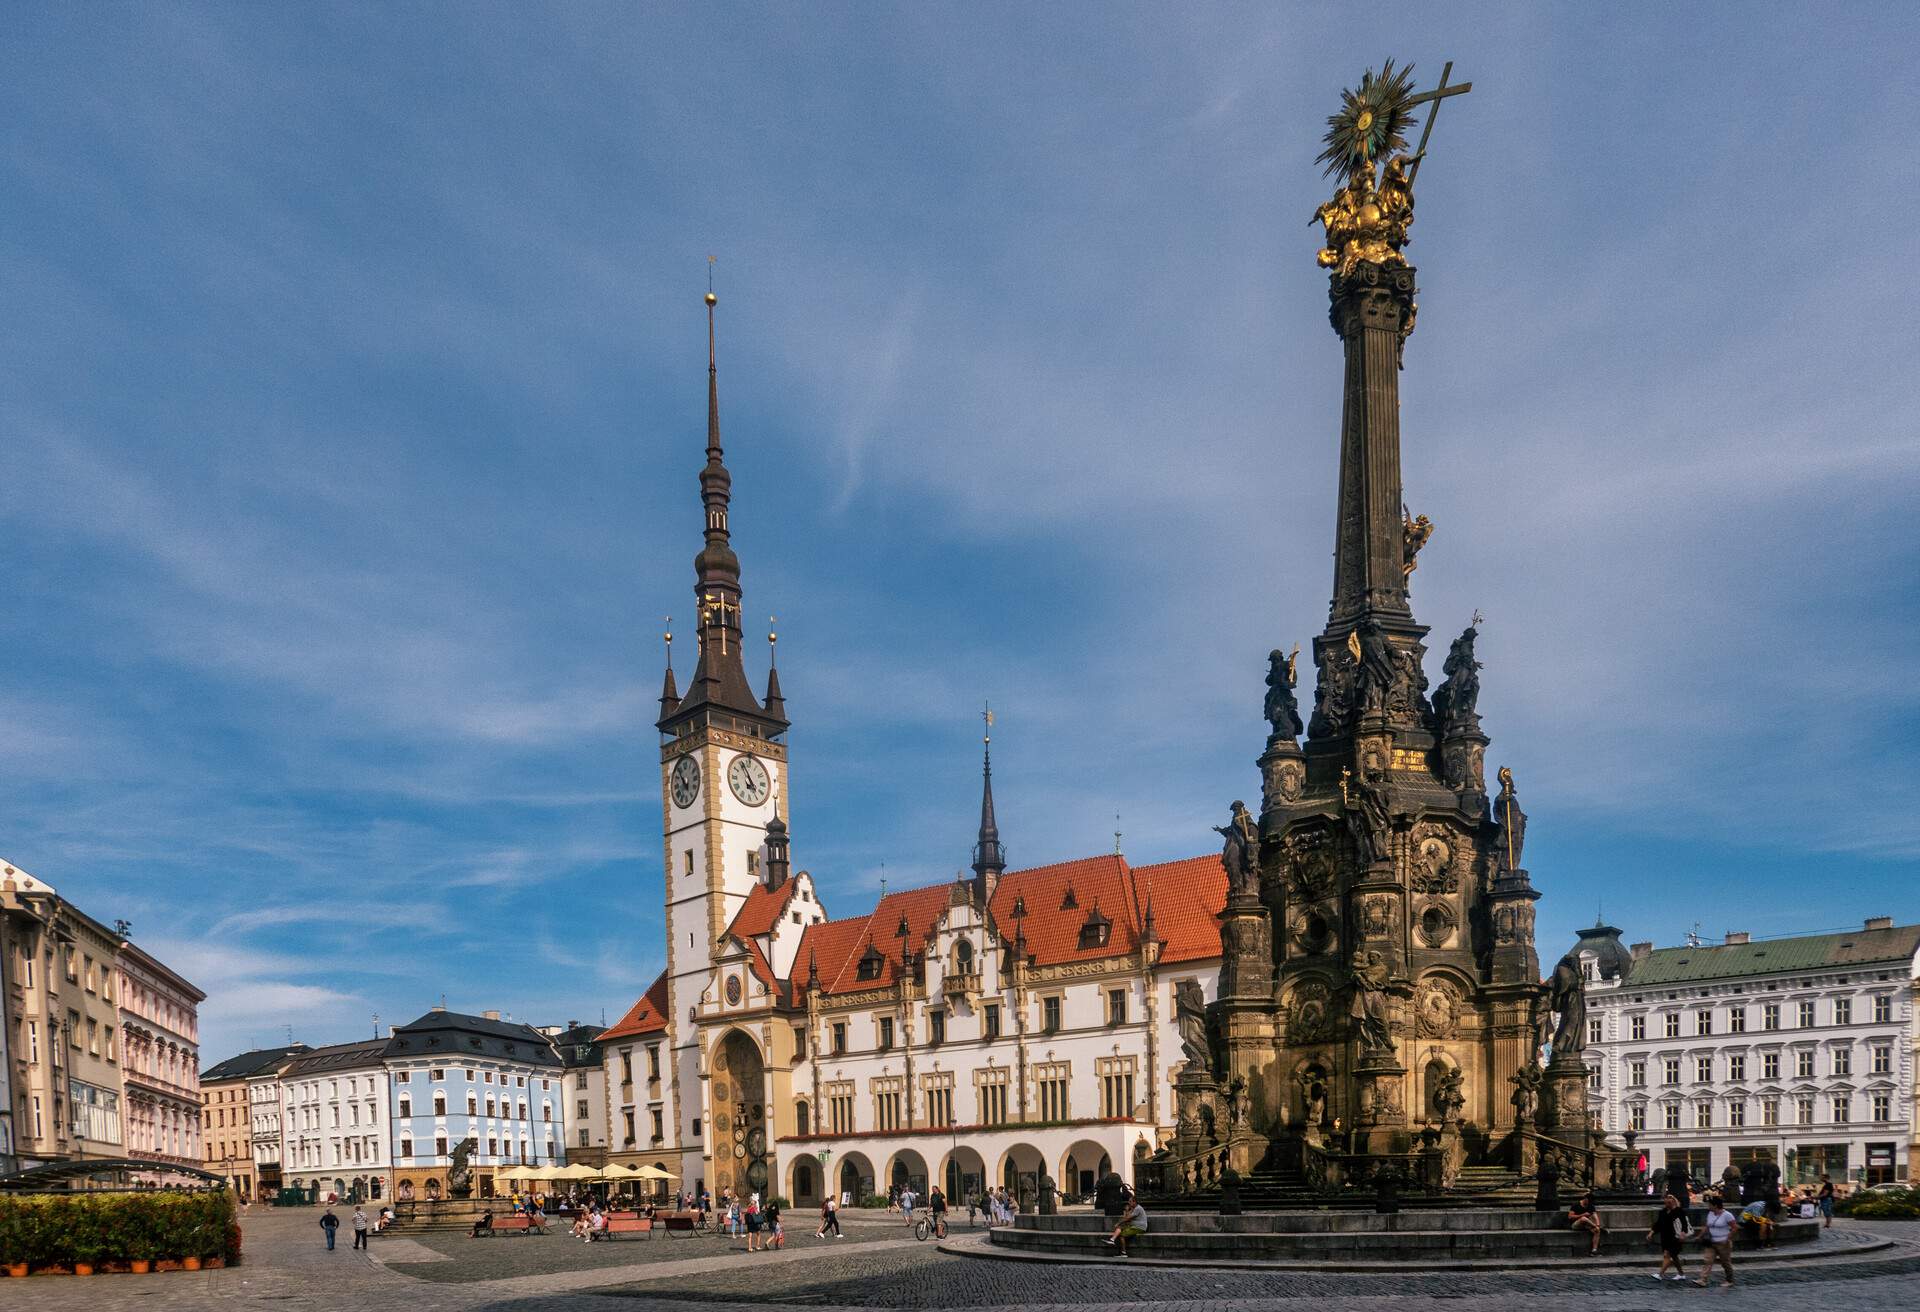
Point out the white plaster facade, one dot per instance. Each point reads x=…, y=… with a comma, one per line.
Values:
x=333, y=1116
x=1800, y=1050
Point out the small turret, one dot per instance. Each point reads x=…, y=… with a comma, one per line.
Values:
x=777, y=855
x=989, y=857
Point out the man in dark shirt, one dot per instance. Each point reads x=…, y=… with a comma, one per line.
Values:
x=1584, y=1217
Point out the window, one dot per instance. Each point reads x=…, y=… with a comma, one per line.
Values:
x=1593, y=1077
x=802, y=1118
x=870, y=965
x=1804, y=1109
x=1882, y=1007
x=990, y=1087
x=1737, y=1066
x=696, y=1127
x=1050, y=1083
x=1703, y=1021
x=799, y=1042
x=1703, y=1070
x=436, y=1075
x=1670, y=1070
x=440, y=1145
x=938, y=1089
x=1703, y=1116
x=658, y=1127
x=1596, y=1030
x=580, y=1108
x=1803, y=1065
x=990, y=1021
x=1881, y=1062
x=1637, y=1073
x=886, y=1102
x=936, y=1028
x=1736, y=1020
x=1769, y=1065
x=1806, y=1015
x=580, y=1080
x=1737, y=1112
x=1843, y=1011
x=1673, y=1024
x=1637, y=1026
x=1116, y=1006
x=1050, y=1015
x=473, y=1103
x=1637, y=1116
x=439, y=1104
x=406, y=1146
x=839, y=1038
x=884, y=1041
x=1842, y=1108
x=1883, y=1107
x=1770, y=1016
x=490, y=1103
x=653, y=1061
x=840, y=1107
x=470, y=1076
x=1769, y=1111
x=583, y=1138
x=493, y=1147
x=1842, y=1059
x=1670, y=1115
x=1116, y=1086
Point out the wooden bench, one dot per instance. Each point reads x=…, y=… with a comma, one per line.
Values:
x=626, y=1225
x=680, y=1223
x=507, y=1225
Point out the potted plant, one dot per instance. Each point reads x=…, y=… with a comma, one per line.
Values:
x=139, y=1238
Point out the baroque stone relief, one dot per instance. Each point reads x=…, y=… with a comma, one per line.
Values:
x=1436, y=924
x=1436, y=1009
x=1441, y=862
x=1312, y=863
x=1376, y=916
x=1309, y=1017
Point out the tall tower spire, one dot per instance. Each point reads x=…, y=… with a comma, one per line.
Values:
x=719, y=676
x=989, y=858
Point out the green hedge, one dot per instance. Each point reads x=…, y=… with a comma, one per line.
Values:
x=1886, y=1205
x=50, y=1229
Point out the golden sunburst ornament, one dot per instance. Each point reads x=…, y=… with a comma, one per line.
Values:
x=1372, y=122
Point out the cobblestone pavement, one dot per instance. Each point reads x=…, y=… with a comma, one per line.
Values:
x=288, y=1267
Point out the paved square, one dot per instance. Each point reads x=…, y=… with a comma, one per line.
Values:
x=880, y=1266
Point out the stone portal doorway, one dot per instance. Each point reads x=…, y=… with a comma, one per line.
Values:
x=739, y=1085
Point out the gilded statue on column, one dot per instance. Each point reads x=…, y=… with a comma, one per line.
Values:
x=1368, y=218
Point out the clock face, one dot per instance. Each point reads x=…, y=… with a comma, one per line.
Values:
x=686, y=781
x=748, y=779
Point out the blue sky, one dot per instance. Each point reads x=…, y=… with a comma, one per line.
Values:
x=353, y=397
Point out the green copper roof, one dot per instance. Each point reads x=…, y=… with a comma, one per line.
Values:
x=1815, y=952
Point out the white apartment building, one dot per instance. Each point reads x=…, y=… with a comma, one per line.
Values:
x=333, y=1120
x=1795, y=1050
x=585, y=1081
x=263, y=1097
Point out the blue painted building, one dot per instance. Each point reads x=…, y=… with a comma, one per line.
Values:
x=458, y=1077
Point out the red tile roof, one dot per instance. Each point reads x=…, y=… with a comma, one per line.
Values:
x=1187, y=898
x=1052, y=928
x=647, y=1016
x=762, y=909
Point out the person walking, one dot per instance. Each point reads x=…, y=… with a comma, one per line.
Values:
x=829, y=1219
x=1671, y=1227
x=1826, y=1201
x=770, y=1221
x=906, y=1203
x=359, y=1226
x=750, y=1215
x=329, y=1223
x=1716, y=1233
x=1133, y=1224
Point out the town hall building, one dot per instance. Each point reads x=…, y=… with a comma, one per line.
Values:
x=993, y=1030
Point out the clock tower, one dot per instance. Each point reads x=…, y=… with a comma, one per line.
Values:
x=722, y=773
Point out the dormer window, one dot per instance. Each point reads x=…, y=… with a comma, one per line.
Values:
x=871, y=963
x=1096, y=931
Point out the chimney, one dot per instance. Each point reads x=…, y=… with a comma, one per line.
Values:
x=1879, y=922
x=1738, y=936
x=438, y=1006
x=1641, y=951
x=491, y=1014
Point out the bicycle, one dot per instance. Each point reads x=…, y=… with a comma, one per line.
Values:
x=936, y=1227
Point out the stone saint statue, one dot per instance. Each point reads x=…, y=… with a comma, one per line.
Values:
x=1316, y=1105
x=1511, y=842
x=1369, y=815
x=1377, y=668
x=1455, y=701
x=1368, y=1007
x=1283, y=709
x=1190, y=1012
x=1567, y=998
x=1526, y=1093
x=1448, y=1095
x=1241, y=856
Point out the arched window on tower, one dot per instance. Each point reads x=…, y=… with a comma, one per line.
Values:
x=802, y=1118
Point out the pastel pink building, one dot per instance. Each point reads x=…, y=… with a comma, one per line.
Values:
x=160, y=1059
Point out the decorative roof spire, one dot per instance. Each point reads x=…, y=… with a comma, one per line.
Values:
x=988, y=855
x=669, y=693
x=719, y=677
x=775, y=703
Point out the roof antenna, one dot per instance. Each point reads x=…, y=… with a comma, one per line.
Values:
x=289, y=1036
x=883, y=879
x=1116, y=833
x=376, y=1024
x=1693, y=935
